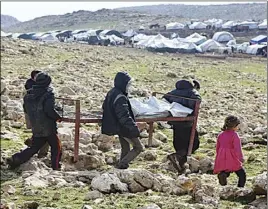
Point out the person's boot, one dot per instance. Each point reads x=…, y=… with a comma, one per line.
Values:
x=12, y=163
x=222, y=176
x=28, y=142
x=122, y=166
x=173, y=160
x=43, y=151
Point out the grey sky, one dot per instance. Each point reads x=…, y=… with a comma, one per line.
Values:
x=24, y=11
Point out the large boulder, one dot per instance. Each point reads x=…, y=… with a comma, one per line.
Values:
x=260, y=203
x=237, y=194
x=92, y=195
x=260, y=184
x=104, y=142
x=108, y=183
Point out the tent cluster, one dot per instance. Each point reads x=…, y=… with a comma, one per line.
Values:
x=194, y=43
x=216, y=23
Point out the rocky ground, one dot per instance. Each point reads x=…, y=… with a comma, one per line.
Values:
x=232, y=86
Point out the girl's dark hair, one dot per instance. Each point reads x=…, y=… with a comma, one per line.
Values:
x=230, y=122
x=34, y=72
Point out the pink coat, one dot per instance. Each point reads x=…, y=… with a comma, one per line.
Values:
x=229, y=154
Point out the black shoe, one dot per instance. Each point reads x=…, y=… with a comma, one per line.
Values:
x=222, y=176
x=120, y=166
x=11, y=163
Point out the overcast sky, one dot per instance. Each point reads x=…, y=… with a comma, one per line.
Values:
x=24, y=11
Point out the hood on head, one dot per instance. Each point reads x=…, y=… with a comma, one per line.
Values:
x=43, y=79
x=184, y=84
x=121, y=80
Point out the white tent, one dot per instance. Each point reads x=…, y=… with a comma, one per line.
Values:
x=229, y=24
x=130, y=33
x=174, y=26
x=209, y=45
x=263, y=25
x=151, y=40
x=195, y=38
x=3, y=34
x=140, y=37
x=231, y=43
x=115, y=39
x=218, y=24
x=223, y=36
x=251, y=25
x=198, y=25
x=49, y=38
x=15, y=35
x=253, y=49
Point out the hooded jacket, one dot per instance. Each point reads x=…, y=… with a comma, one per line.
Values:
x=118, y=117
x=39, y=105
x=184, y=88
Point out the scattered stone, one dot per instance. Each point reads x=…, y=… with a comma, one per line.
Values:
x=67, y=90
x=206, y=165
x=92, y=195
x=31, y=205
x=151, y=206
x=56, y=196
x=9, y=189
x=86, y=207
x=193, y=164
x=237, y=194
x=260, y=203
x=149, y=155
x=108, y=183
x=260, y=184
x=160, y=136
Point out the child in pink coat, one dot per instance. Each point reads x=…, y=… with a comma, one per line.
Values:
x=229, y=156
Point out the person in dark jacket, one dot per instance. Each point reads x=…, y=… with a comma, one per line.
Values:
x=118, y=119
x=182, y=129
x=39, y=104
x=29, y=85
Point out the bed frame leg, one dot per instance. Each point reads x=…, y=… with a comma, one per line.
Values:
x=77, y=130
x=151, y=129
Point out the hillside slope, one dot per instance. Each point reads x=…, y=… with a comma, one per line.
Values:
x=7, y=21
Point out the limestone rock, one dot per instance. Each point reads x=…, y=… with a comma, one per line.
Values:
x=92, y=195
x=260, y=184
x=108, y=183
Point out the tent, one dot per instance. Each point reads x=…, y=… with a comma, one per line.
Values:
x=223, y=36
x=256, y=49
x=151, y=40
x=174, y=26
x=110, y=32
x=130, y=33
x=259, y=39
x=27, y=36
x=3, y=34
x=198, y=25
x=79, y=31
x=115, y=40
x=15, y=35
x=139, y=37
x=195, y=38
x=209, y=45
x=263, y=25
x=251, y=25
x=38, y=36
x=228, y=24
x=49, y=38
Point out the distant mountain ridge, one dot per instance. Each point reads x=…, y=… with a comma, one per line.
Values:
x=7, y=21
x=133, y=17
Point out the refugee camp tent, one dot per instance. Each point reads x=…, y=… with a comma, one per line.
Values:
x=223, y=36
x=49, y=38
x=3, y=34
x=139, y=37
x=197, y=25
x=209, y=45
x=174, y=26
x=217, y=23
x=130, y=33
x=174, y=35
x=64, y=33
x=259, y=39
x=151, y=40
x=263, y=25
x=110, y=32
x=92, y=37
x=228, y=24
x=256, y=49
x=115, y=40
x=195, y=38
x=251, y=25
x=27, y=36
x=38, y=36
x=15, y=35
x=231, y=43
x=141, y=28
x=79, y=31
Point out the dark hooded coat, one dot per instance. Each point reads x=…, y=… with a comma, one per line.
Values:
x=118, y=118
x=39, y=105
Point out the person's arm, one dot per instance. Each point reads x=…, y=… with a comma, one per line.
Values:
x=238, y=147
x=49, y=108
x=124, y=117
